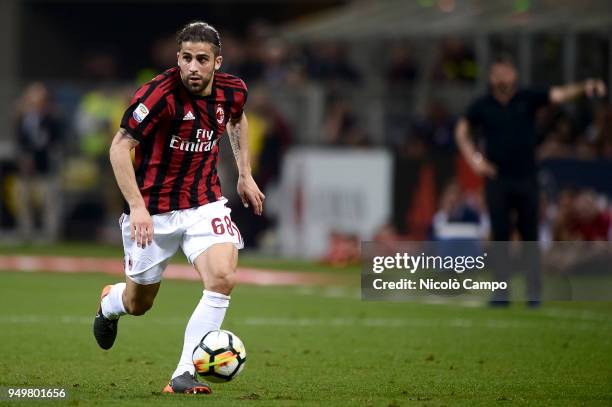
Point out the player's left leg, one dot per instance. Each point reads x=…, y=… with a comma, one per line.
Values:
x=211, y=244
x=217, y=267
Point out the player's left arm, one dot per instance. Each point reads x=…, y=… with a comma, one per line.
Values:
x=238, y=132
x=565, y=93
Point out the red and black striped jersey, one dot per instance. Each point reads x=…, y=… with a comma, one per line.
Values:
x=178, y=133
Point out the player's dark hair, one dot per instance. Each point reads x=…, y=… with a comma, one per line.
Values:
x=199, y=31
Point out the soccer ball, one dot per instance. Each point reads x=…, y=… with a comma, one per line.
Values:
x=219, y=357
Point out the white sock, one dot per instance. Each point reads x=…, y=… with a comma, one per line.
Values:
x=207, y=317
x=112, y=304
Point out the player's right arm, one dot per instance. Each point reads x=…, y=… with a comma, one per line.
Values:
x=141, y=223
x=475, y=159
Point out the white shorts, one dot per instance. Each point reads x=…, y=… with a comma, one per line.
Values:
x=194, y=230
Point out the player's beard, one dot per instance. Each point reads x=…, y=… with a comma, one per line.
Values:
x=196, y=87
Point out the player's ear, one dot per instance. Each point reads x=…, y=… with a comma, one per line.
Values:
x=178, y=57
x=218, y=62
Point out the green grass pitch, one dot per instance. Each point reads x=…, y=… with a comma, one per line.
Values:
x=307, y=347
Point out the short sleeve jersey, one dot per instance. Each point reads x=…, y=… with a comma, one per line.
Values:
x=509, y=130
x=178, y=134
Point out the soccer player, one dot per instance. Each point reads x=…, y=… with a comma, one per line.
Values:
x=173, y=193
x=506, y=115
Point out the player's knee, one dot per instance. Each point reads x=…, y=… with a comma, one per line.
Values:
x=138, y=307
x=223, y=280
x=224, y=284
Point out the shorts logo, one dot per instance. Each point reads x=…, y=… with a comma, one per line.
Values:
x=140, y=113
x=220, y=114
x=129, y=263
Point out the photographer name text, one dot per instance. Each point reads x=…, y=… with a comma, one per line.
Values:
x=404, y=262
x=430, y=284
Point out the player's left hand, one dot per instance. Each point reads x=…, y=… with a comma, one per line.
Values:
x=249, y=193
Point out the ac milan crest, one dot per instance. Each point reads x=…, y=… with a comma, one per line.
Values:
x=220, y=113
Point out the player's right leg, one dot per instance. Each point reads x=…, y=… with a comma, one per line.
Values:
x=117, y=300
x=144, y=268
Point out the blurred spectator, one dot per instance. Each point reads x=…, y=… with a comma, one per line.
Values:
x=270, y=143
x=414, y=147
x=163, y=53
x=100, y=109
x=163, y=56
x=559, y=140
x=437, y=127
x=599, y=132
x=262, y=57
x=97, y=119
x=591, y=220
x=585, y=150
x=544, y=120
x=252, y=66
x=329, y=62
x=457, y=63
x=457, y=218
x=564, y=139
x=275, y=68
x=583, y=218
x=434, y=135
x=101, y=65
x=233, y=53
x=341, y=126
x=38, y=144
x=297, y=65
x=402, y=68
x=563, y=218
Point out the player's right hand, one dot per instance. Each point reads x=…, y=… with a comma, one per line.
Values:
x=141, y=226
x=250, y=193
x=483, y=167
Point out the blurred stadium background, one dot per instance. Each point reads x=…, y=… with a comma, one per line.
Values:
x=378, y=85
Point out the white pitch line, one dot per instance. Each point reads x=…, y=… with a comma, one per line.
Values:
x=585, y=315
x=463, y=323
